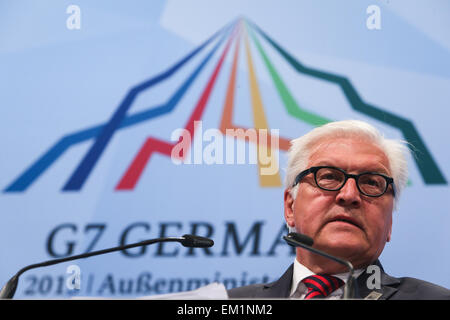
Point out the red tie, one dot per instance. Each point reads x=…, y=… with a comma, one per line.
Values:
x=321, y=285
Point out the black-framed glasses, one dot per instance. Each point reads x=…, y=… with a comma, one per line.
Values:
x=329, y=178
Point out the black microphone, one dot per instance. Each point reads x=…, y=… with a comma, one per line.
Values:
x=187, y=240
x=301, y=240
x=193, y=241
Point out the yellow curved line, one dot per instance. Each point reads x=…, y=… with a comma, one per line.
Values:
x=260, y=122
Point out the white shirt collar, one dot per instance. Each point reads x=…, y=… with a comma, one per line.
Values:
x=301, y=272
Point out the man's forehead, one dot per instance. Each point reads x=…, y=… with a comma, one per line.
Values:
x=349, y=154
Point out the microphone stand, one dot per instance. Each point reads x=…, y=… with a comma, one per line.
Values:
x=187, y=240
x=295, y=239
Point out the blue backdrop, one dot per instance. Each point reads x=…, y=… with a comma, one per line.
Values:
x=91, y=92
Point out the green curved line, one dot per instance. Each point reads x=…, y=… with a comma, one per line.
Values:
x=290, y=103
x=423, y=158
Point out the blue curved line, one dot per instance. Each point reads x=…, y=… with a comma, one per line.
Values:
x=85, y=167
x=45, y=161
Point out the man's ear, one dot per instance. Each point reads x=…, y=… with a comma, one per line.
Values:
x=289, y=208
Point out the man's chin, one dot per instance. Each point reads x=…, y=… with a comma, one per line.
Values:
x=342, y=248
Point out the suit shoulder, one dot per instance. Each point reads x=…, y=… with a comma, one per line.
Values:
x=412, y=288
x=277, y=289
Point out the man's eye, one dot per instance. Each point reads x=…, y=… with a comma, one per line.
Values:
x=371, y=182
x=330, y=176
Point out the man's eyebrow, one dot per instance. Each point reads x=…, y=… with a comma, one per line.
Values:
x=371, y=168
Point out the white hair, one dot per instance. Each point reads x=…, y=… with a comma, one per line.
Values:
x=302, y=147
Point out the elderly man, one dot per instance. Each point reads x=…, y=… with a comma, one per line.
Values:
x=343, y=181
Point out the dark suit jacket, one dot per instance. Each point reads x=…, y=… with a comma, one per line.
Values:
x=391, y=288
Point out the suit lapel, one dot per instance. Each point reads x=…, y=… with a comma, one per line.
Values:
x=388, y=285
x=280, y=288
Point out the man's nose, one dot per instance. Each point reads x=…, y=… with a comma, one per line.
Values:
x=349, y=195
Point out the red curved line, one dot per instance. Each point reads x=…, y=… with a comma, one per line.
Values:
x=152, y=145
